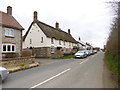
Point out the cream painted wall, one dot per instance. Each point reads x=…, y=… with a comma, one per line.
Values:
x=35, y=35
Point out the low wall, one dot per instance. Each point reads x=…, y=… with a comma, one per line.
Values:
x=17, y=61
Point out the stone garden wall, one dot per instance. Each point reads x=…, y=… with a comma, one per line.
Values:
x=22, y=61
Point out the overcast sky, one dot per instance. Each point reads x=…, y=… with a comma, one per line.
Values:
x=88, y=19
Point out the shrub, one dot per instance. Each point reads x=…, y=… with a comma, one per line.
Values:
x=26, y=53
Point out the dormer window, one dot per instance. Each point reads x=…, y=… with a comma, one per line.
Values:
x=9, y=32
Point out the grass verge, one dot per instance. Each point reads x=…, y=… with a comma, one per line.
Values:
x=113, y=63
x=67, y=56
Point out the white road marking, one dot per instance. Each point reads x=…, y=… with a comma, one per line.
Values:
x=50, y=78
x=84, y=61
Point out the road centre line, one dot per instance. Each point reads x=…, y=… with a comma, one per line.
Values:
x=83, y=61
x=51, y=78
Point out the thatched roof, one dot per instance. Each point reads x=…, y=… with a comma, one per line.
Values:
x=52, y=32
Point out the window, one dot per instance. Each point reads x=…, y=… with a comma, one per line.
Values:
x=9, y=32
x=59, y=42
x=8, y=48
x=52, y=41
x=4, y=47
x=41, y=39
x=69, y=44
x=30, y=41
x=52, y=50
x=64, y=42
x=13, y=48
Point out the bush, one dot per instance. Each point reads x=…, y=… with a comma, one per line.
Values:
x=26, y=53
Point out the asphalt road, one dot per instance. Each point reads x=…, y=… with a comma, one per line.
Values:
x=68, y=73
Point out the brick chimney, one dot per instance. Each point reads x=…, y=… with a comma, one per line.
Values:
x=35, y=16
x=57, y=25
x=9, y=10
x=68, y=31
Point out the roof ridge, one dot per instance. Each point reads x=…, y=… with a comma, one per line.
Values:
x=51, y=26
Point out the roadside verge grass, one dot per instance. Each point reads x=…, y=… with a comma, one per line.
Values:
x=113, y=63
x=67, y=56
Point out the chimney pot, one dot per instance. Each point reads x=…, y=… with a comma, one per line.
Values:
x=35, y=16
x=68, y=31
x=9, y=10
x=57, y=25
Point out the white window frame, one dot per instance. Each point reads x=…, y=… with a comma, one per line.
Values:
x=10, y=47
x=52, y=49
x=9, y=32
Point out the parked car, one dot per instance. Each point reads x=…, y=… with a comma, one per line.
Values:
x=91, y=52
x=80, y=54
x=95, y=51
x=3, y=73
x=87, y=52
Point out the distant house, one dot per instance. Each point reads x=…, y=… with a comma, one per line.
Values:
x=10, y=35
x=88, y=46
x=81, y=45
x=48, y=41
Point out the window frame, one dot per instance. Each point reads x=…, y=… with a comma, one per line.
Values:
x=52, y=49
x=9, y=32
x=30, y=41
x=60, y=42
x=11, y=47
x=42, y=39
x=52, y=40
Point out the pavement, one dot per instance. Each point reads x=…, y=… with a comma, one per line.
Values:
x=67, y=73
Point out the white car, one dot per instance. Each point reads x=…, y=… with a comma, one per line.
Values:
x=87, y=52
x=80, y=54
x=3, y=73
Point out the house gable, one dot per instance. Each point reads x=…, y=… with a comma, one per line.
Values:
x=35, y=37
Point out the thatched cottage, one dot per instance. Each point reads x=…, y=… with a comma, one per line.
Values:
x=48, y=41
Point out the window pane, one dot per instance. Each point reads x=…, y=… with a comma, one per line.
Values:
x=41, y=39
x=6, y=32
x=13, y=48
x=9, y=32
x=30, y=41
x=52, y=50
x=4, y=47
x=8, y=48
x=52, y=40
x=60, y=42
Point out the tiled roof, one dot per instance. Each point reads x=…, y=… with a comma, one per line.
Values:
x=9, y=21
x=52, y=32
